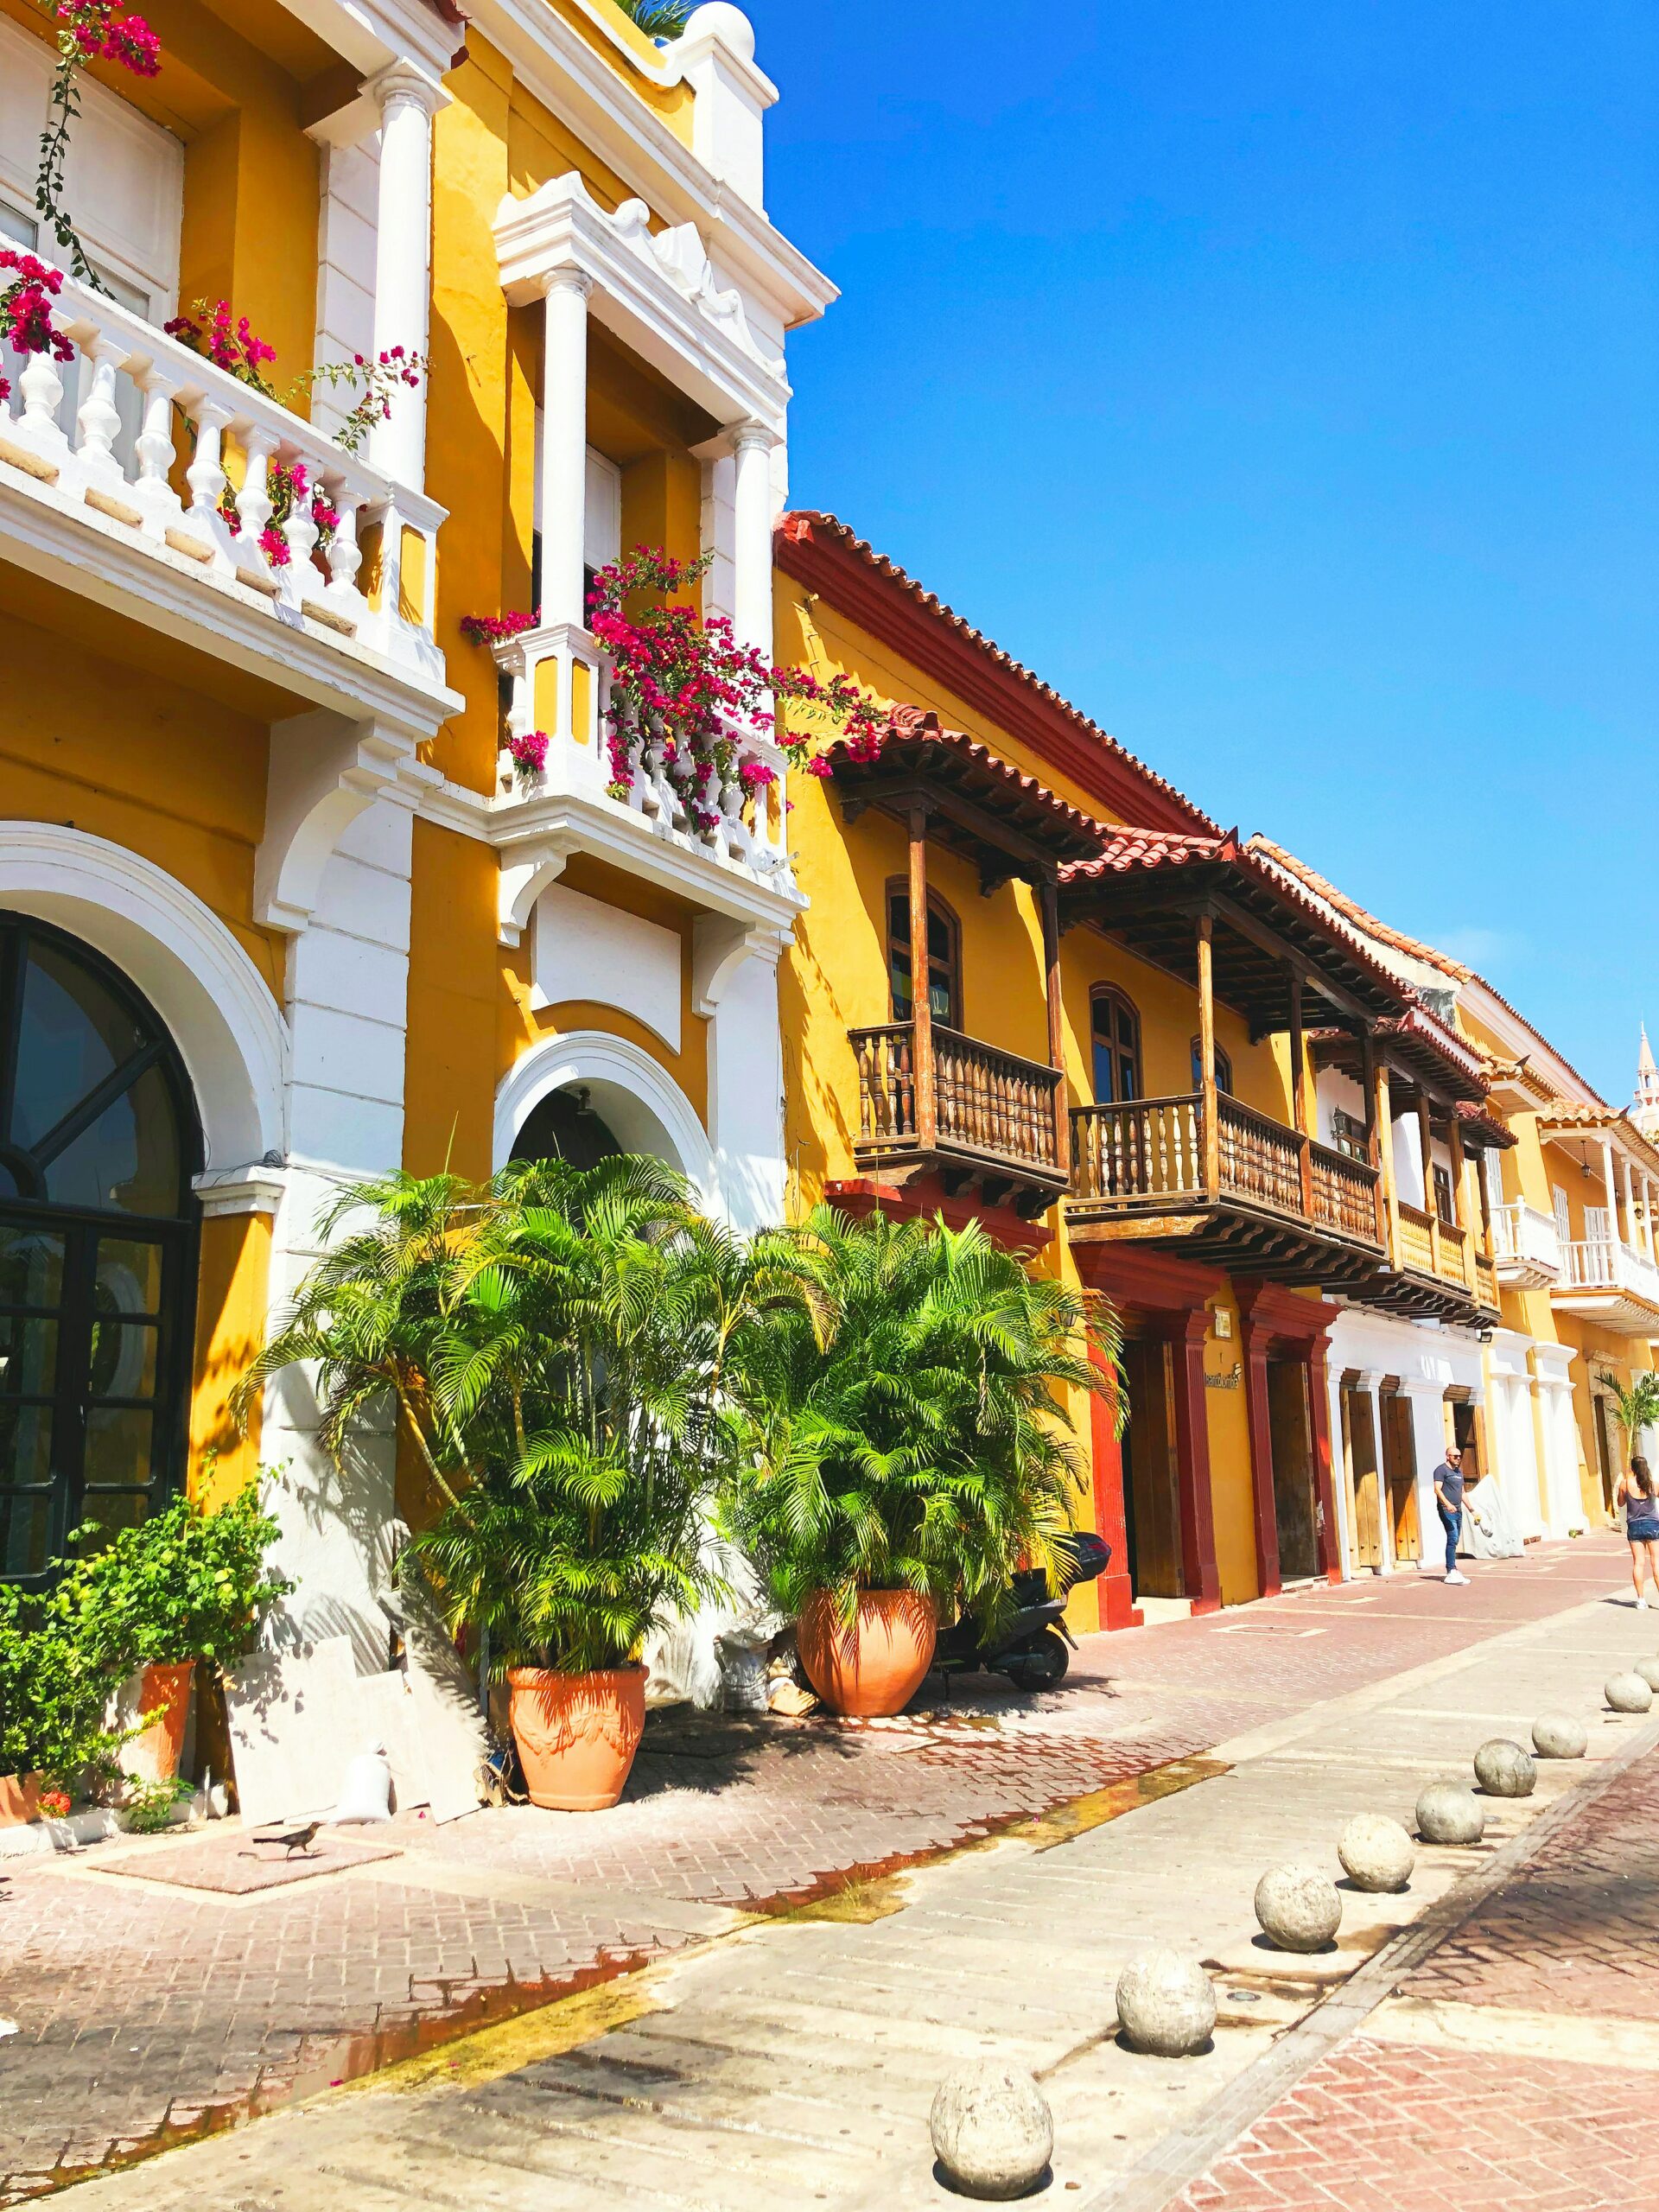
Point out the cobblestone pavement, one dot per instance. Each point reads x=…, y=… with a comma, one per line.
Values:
x=1517, y=2067
x=144, y=2012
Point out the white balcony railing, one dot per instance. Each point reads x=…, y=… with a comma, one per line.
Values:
x=1526, y=1246
x=1606, y=1263
x=109, y=440
x=560, y=685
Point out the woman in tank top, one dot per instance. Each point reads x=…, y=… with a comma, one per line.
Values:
x=1635, y=1493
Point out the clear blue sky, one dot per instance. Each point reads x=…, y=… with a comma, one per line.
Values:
x=1281, y=383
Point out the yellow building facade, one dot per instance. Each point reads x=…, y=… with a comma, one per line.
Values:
x=322, y=856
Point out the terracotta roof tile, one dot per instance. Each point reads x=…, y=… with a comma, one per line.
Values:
x=909, y=725
x=804, y=523
x=1351, y=910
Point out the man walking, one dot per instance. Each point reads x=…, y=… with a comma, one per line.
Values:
x=1448, y=1499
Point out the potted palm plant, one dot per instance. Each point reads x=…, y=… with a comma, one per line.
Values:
x=896, y=1393
x=552, y=1341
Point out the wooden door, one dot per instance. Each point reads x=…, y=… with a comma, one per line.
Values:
x=1151, y=1495
x=1399, y=1475
x=1360, y=1452
x=1292, y=1439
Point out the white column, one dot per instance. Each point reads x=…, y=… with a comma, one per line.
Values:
x=1346, y=1549
x=752, y=447
x=1612, y=1189
x=1631, y=1235
x=1646, y=1217
x=564, y=445
x=403, y=258
x=1371, y=1382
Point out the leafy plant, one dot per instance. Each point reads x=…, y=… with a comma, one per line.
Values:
x=147, y=1807
x=896, y=1399
x=663, y=20
x=185, y=1584
x=553, y=1342
x=52, y=1690
x=1636, y=1404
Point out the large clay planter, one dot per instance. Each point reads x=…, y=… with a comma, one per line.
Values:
x=875, y=1668
x=153, y=1755
x=20, y=1799
x=576, y=1733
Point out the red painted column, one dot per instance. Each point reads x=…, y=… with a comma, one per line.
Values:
x=1193, y=1464
x=1117, y=1606
x=1319, y=1415
x=1256, y=1340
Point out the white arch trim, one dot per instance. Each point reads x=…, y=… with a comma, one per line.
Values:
x=228, y=1029
x=636, y=1096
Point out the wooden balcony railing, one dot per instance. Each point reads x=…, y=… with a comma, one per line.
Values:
x=967, y=1099
x=1416, y=1241
x=1147, y=1156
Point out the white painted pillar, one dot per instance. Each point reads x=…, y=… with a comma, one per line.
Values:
x=1612, y=1189
x=1647, y=1217
x=1631, y=1235
x=1428, y=1435
x=403, y=258
x=734, y=987
x=1346, y=1542
x=564, y=445
x=752, y=447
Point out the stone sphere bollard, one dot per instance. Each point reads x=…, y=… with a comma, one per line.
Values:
x=1166, y=2005
x=1299, y=1907
x=1560, y=1736
x=1449, y=1812
x=1377, y=1853
x=1503, y=1770
x=1628, y=1694
x=993, y=2132
x=1649, y=1670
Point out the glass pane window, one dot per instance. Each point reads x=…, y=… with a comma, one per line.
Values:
x=1223, y=1069
x=74, y=1035
x=944, y=959
x=1116, y=1046
x=127, y=1160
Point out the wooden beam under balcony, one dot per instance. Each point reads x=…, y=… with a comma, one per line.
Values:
x=1239, y=1190
x=930, y=1099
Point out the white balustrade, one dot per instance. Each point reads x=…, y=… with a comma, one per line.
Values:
x=561, y=686
x=1608, y=1264
x=1525, y=1244
x=150, y=414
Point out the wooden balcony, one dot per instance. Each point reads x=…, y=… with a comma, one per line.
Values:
x=970, y=1112
x=1438, y=1274
x=1268, y=1202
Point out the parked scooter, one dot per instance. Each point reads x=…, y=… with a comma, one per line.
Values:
x=1034, y=1648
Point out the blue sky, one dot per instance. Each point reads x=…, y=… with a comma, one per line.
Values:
x=1282, y=383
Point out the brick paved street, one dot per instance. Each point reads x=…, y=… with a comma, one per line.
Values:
x=143, y=2011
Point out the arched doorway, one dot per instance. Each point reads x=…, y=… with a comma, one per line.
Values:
x=566, y=1125
x=99, y=1139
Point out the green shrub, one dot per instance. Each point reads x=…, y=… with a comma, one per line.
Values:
x=183, y=1585
x=54, y=1691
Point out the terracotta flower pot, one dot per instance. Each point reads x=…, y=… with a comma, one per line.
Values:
x=576, y=1733
x=875, y=1668
x=153, y=1755
x=20, y=1799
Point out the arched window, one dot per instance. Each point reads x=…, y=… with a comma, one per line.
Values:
x=943, y=955
x=564, y=1126
x=1223, y=1069
x=1116, y=1035
x=99, y=1142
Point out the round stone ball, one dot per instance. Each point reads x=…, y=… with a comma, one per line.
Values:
x=1448, y=1812
x=1377, y=1853
x=1166, y=2005
x=1628, y=1694
x=993, y=2132
x=1560, y=1736
x=1299, y=1907
x=1503, y=1770
x=1649, y=1670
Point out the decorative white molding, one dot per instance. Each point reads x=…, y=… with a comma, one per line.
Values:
x=256, y=1189
x=323, y=773
x=720, y=946
x=657, y=292
x=226, y=1024
x=634, y=1094
x=588, y=948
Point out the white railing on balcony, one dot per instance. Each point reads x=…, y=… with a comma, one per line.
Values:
x=1525, y=1244
x=561, y=686
x=143, y=433
x=1608, y=1264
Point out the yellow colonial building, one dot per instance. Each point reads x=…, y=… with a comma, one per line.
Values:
x=323, y=849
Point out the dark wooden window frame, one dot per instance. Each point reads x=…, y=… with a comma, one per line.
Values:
x=938, y=910
x=1109, y=1040
x=1223, y=1067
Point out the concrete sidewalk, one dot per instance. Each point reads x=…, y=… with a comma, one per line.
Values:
x=793, y=2061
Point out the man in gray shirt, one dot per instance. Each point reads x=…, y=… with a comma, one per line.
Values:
x=1448, y=1499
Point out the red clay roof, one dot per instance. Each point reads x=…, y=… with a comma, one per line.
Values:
x=822, y=552
x=1058, y=824
x=1351, y=910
